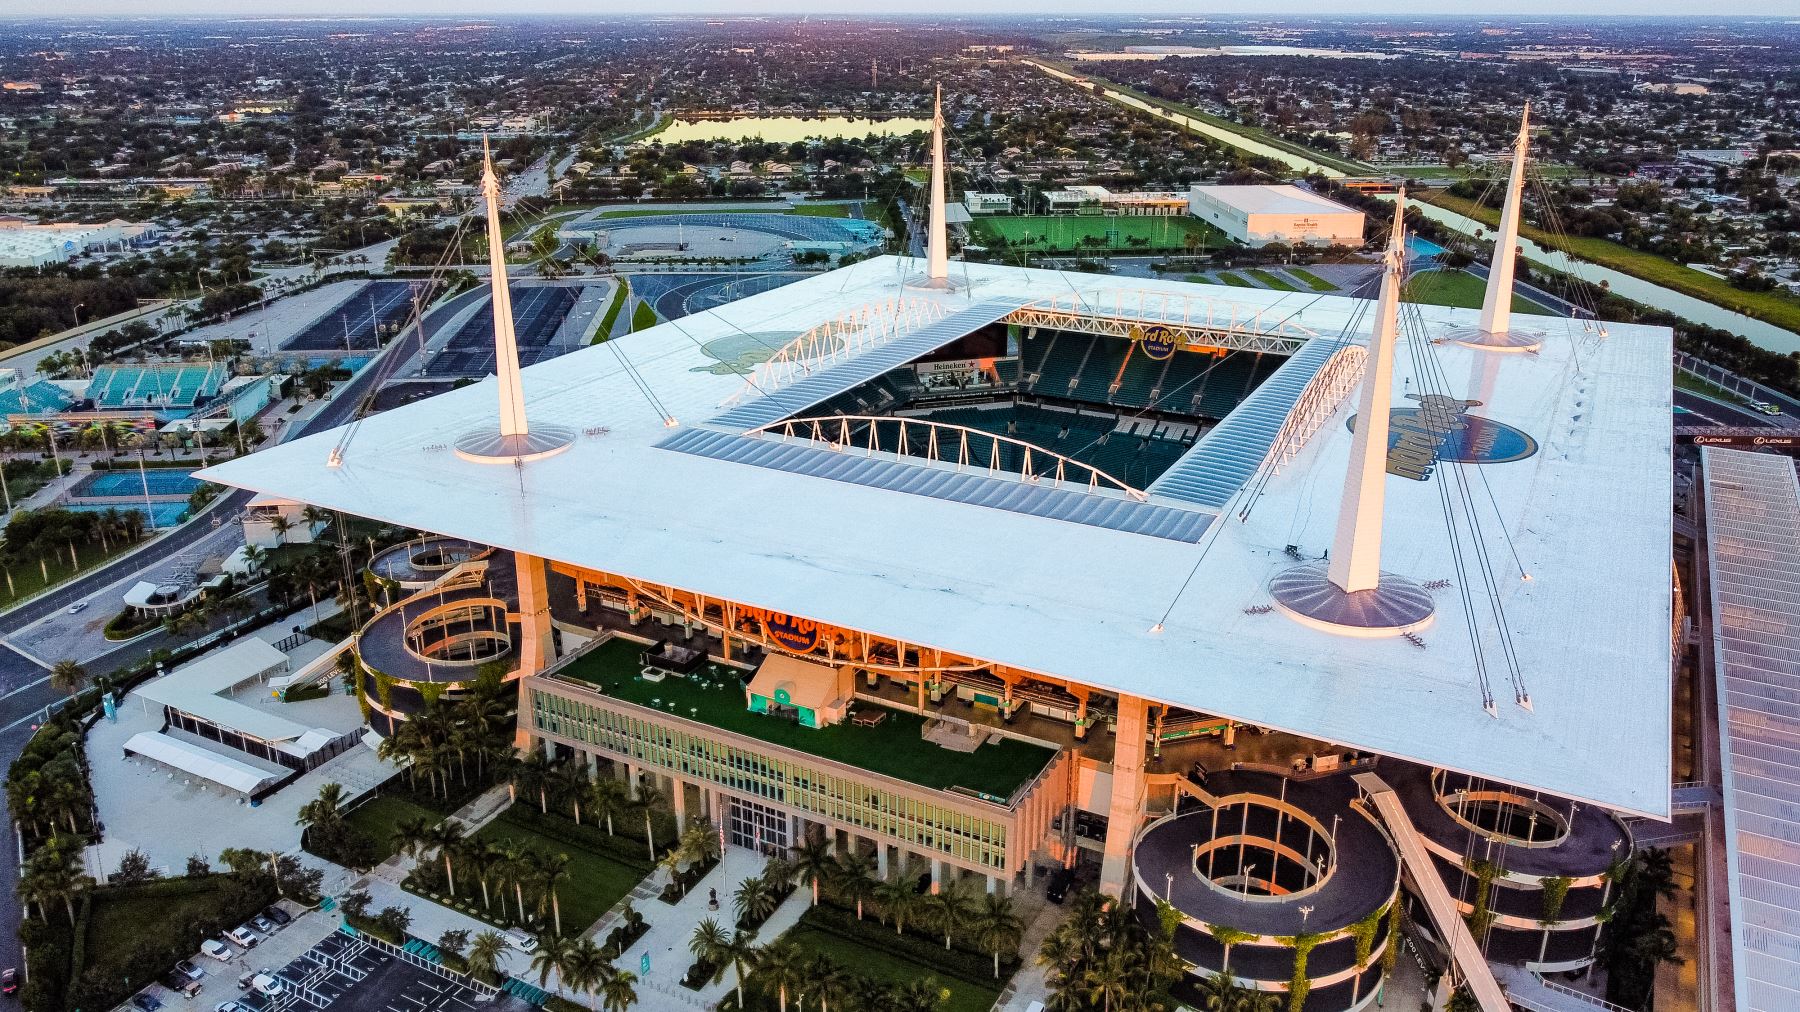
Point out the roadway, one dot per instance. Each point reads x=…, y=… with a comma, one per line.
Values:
x=1703, y=410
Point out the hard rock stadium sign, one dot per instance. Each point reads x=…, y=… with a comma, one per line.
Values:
x=800, y=635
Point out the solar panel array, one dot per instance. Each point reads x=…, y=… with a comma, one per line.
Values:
x=1753, y=551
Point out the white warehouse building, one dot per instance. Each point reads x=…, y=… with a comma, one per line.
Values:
x=1260, y=215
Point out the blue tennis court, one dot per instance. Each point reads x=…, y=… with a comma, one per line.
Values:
x=162, y=514
x=118, y=483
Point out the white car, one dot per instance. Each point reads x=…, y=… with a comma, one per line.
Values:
x=216, y=949
x=267, y=984
x=521, y=941
x=243, y=937
x=77, y=607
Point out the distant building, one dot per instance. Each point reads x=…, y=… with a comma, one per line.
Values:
x=1135, y=204
x=264, y=521
x=26, y=244
x=1259, y=215
x=988, y=203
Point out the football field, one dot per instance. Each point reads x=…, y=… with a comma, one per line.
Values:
x=1054, y=232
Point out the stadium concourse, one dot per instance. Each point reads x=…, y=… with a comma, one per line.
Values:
x=988, y=567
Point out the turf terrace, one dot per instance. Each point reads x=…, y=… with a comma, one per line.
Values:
x=896, y=748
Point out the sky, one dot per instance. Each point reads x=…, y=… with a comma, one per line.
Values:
x=1041, y=8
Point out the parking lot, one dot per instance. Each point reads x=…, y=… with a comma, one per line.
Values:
x=318, y=968
x=538, y=314
x=352, y=325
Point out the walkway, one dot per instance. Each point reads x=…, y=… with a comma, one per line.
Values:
x=1476, y=972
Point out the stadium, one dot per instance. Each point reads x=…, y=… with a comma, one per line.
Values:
x=720, y=235
x=1295, y=612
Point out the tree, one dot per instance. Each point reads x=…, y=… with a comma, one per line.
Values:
x=754, y=900
x=134, y=869
x=854, y=880
x=412, y=837
x=898, y=900
x=648, y=798
x=585, y=967
x=827, y=981
x=997, y=928
x=919, y=996
x=197, y=866
x=606, y=799
x=552, y=870
x=618, y=991
x=1108, y=980
x=68, y=677
x=453, y=940
x=783, y=968
x=948, y=909
x=551, y=955
x=708, y=943
x=395, y=920
x=814, y=861
x=355, y=904
x=324, y=811
x=484, y=955
x=446, y=838
x=54, y=873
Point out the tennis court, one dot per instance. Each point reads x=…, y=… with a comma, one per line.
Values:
x=352, y=326
x=159, y=482
x=161, y=514
x=537, y=314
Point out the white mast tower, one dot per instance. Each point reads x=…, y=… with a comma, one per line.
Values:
x=937, y=232
x=512, y=440
x=1349, y=594
x=1495, y=332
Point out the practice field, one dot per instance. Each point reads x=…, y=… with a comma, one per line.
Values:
x=1460, y=289
x=1048, y=232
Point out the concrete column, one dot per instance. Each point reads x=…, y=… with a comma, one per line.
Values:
x=678, y=791
x=937, y=875
x=1127, y=793
x=796, y=829
x=631, y=780
x=881, y=858
x=536, y=642
x=993, y=884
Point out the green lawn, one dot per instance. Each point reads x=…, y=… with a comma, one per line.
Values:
x=1460, y=289
x=1773, y=307
x=1066, y=231
x=1268, y=280
x=596, y=881
x=893, y=968
x=1313, y=281
x=643, y=317
x=620, y=294
x=894, y=748
x=1688, y=381
x=1228, y=278
x=379, y=816
x=822, y=210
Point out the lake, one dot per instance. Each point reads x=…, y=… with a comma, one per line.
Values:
x=786, y=129
x=1762, y=334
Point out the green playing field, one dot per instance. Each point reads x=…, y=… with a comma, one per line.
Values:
x=1046, y=232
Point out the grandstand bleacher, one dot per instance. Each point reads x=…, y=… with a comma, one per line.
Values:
x=353, y=324
x=174, y=388
x=537, y=314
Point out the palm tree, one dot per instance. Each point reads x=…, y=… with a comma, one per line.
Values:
x=755, y=899
x=701, y=841
x=55, y=873
x=997, y=928
x=783, y=967
x=854, y=879
x=551, y=956
x=484, y=954
x=709, y=943
x=68, y=677
x=814, y=861
x=551, y=871
x=533, y=774
x=515, y=867
x=281, y=525
x=948, y=909
x=827, y=981
x=412, y=837
x=323, y=811
x=648, y=798
x=898, y=900
x=606, y=799
x=741, y=952
x=446, y=838
x=1222, y=993
x=572, y=782
x=1109, y=978
x=618, y=991
x=585, y=968
x=918, y=996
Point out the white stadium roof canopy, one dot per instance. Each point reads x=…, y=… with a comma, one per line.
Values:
x=1588, y=514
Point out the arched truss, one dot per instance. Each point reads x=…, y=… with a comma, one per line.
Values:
x=845, y=336
x=1194, y=320
x=959, y=445
x=1318, y=402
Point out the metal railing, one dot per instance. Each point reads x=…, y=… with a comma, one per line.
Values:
x=1192, y=319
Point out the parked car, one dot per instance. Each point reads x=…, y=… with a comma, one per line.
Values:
x=243, y=937
x=229, y=1006
x=178, y=982
x=77, y=607
x=267, y=984
x=279, y=916
x=245, y=978
x=216, y=949
x=187, y=969
x=144, y=1001
x=9, y=981
x=263, y=924
x=521, y=941
x=1058, y=887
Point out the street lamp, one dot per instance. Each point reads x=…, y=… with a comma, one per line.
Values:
x=1168, y=886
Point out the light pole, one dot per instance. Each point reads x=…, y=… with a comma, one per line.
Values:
x=1168, y=886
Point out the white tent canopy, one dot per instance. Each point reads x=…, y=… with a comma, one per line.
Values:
x=201, y=762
